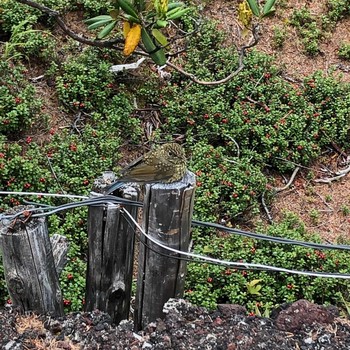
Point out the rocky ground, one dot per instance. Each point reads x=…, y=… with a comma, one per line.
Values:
x=301, y=325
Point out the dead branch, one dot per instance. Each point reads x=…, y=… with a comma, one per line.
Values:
x=267, y=211
x=280, y=189
x=330, y=209
x=338, y=175
x=66, y=29
x=241, y=52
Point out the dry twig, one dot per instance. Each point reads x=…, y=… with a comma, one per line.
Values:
x=338, y=175
x=280, y=189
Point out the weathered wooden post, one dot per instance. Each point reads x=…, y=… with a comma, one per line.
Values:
x=60, y=247
x=29, y=266
x=167, y=218
x=110, y=255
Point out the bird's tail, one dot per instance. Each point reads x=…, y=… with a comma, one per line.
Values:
x=113, y=187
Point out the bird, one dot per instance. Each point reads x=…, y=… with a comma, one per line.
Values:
x=165, y=164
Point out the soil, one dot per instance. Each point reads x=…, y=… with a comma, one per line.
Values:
x=301, y=325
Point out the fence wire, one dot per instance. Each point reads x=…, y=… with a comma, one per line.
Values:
x=42, y=210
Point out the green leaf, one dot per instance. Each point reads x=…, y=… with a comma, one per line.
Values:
x=97, y=19
x=160, y=37
x=161, y=24
x=132, y=19
x=173, y=5
x=99, y=24
x=179, y=13
x=106, y=30
x=253, y=282
x=268, y=6
x=254, y=7
x=207, y=249
x=128, y=8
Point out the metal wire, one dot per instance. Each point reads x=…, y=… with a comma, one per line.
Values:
x=118, y=200
x=247, y=266
x=263, y=237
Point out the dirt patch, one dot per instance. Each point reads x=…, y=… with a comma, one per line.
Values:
x=301, y=325
x=323, y=207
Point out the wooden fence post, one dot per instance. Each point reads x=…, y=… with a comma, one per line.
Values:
x=167, y=215
x=110, y=257
x=29, y=266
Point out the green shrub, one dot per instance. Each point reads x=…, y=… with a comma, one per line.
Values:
x=226, y=185
x=344, y=51
x=257, y=119
x=337, y=9
x=86, y=83
x=279, y=36
x=208, y=285
x=331, y=101
x=29, y=43
x=93, y=8
x=308, y=29
x=12, y=13
x=18, y=104
x=72, y=225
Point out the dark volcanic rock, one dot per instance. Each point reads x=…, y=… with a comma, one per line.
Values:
x=185, y=327
x=303, y=314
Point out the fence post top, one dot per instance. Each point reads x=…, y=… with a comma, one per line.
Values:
x=189, y=180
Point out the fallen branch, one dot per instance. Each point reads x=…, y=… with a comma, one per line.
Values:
x=289, y=183
x=338, y=175
x=267, y=211
x=242, y=53
x=57, y=16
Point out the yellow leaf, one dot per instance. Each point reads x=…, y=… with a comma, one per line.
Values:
x=132, y=39
x=126, y=28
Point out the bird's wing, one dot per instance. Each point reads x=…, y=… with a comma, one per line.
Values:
x=134, y=163
x=144, y=173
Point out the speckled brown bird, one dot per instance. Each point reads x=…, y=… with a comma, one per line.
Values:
x=166, y=163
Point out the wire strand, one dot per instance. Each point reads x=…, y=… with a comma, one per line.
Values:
x=193, y=257
x=247, y=266
x=118, y=200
